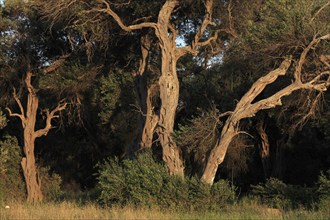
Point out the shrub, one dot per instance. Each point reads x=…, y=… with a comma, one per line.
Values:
x=144, y=182
x=324, y=191
x=12, y=181
x=277, y=194
x=50, y=184
x=112, y=184
x=222, y=192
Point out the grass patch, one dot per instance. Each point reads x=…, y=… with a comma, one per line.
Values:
x=246, y=209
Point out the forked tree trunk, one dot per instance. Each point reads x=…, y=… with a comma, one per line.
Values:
x=28, y=163
x=246, y=107
x=168, y=82
x=28, y=119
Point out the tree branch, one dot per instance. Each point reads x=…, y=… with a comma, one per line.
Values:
x=261, y=83
x=302, y=60
x=50, y=116
x=119, y=21
x=21, y=116
x=319, y=11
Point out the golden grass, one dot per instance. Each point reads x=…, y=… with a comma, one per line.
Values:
x=69, y=210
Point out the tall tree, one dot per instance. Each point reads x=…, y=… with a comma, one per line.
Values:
x=28, y=118
x=309, y=71
x=165, y=31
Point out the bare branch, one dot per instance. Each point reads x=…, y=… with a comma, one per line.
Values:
x=21, y=115
x=325, y=59
x=18, y=103
x=119, y=21
x=50, y=116
x=319, y=11
x=231, y=30
x=17, y=115
x=261, y=83
x=302, y=60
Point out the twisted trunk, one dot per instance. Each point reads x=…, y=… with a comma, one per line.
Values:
x=169, y=95
x=28, y=162
x=28, y=119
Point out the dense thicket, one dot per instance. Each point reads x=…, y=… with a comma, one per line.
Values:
x=111, y=73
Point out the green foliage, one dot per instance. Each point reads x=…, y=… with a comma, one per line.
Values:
x=144, y=182
x=50, y=184
x=12, y=183
x=324, y=191
x=201, y=134
x=112, y=182
x=287, y=22
x=324, y=184
x=280, y=195
x=114, y=98
x=116, y=92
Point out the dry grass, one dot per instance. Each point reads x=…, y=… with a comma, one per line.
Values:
x=68, y=210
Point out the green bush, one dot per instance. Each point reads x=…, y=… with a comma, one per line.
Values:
x=12, y=180
x=50, y=184
x=324, y=191
x=144, y=182
x=277, y=194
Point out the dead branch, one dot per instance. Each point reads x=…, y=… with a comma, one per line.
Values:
x=261, y=83
x=325, y=59
x=22, y=114
x=119, y=21
x=50, y=116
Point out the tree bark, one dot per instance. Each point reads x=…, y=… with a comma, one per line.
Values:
x=151, y=119
x=28, y=162
x=147, y=119
x=217, y=154
x=28, y=119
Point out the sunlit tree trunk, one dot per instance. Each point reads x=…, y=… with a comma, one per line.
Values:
x=168, y=83
x=247, y=108
x=28, y=119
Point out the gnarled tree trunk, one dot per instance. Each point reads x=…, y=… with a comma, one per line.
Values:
x=147, y=119
x=218, y=153
x=28, y=119
x=169, y=95
x=245, y=108
x=166, y=33
x=28, y=163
